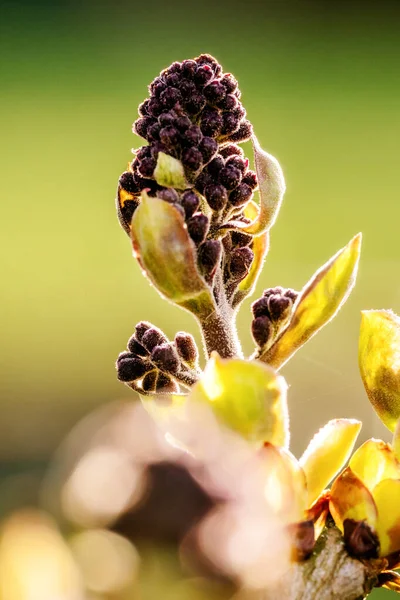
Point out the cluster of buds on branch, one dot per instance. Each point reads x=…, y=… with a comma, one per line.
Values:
x=187, y=203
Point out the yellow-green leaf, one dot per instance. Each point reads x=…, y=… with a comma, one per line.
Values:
x=379, y=359
x=271, y=189
x=350, y=499
x=387, y=499
x=285, y=483
x=318, y=302
x=396, y=441
x=248, y=397
x=327, y=453
x=167, y=255
x=169, y=172
x=374, y=461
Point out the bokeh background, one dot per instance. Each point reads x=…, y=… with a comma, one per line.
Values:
x=320, y=83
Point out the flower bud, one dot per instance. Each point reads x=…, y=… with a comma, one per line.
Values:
x=141, y=329
x=152, y=338
x=131, y=368
x=165, y=384
x=135, y=347
x=186, y=347
x=216, y=196
x=190, y=203
x=262, y=330
x=209, y=257
x=241, y=259
x=166, y=358
x=198, y=227
x=149, y=382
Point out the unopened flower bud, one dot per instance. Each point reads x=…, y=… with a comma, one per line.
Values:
x=165, y=384
x=240, y=239
x=149, y=382
x=198, y=227
x=229, y=177
x=243, y=134
x=169, y=195
x=231, y=150
x=240, y=263
x=262, y=330
x=211, y=123
x=153, y=337
x=215, y=92
x=360, y=540
x=130, y=367
x=186, y=347
x=192, y=136
x=250, y=179
x=166, y=358
x=240, y=195
x=192, y=158
x=216, y=196
x=190, y=203
x=215, y=166
x=135, y=347
x=209, y=257
x=279, y=307
x=208, y=148
x=259, y=308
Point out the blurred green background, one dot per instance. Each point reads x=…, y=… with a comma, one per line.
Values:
x=321, y=86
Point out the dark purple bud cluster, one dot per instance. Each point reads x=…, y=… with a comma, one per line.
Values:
x=271, y=312
x=151, y=361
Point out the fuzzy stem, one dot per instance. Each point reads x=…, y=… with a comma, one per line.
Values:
x=329, y=574
x=219, y=333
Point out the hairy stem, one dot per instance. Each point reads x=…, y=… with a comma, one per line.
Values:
x=329, y=574
x=219, y=333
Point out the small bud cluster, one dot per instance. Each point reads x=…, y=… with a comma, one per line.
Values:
x=152, y=362
x=194, y=114
x=271, y=313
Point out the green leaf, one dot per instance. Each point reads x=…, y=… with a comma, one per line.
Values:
x=248, y=397
x=271, y=189
x=318, y=302
x=169, y=172
x=167, y=255
x=379, y=360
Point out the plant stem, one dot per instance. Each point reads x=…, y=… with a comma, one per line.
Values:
x=329, y=574
x=219, y=333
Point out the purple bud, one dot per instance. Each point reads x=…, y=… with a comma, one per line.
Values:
x=195, y=103
x=143, y=152
x=243, y=134
x=238, y=162
x=192, y=136
x=172, y=80
x=202, y=181
x=166, y=358
x=215, y=166
x=231, y=150
x=169, y=195
x=135, y=347
x=187, y=88
x=250, y=179
x=203, y=75
x=292, y=294
x=155, y=108
x=130, y=368
x=190, y=203
x=170, y=97
x=165, y=384
x=229, y=82
x=279, y=307
x=143, y=108
x=207, y=59
x=240, y=263
x=153, y=337
x=176, y=67
x=216, y=196
x=169, y=135
x=141, y=329
x=240, y=239
x=149, y=382
x=262, y=330
x=208, y=148
x=240, y=195
x=230, y=124
x=214, y=92
x=198, y=227
x=128, y=183
x=186, y=347
x=188, y=68
x=230, y=177
x=211, y=123
x=228, y=103
x=183, y=123
x=141, y=126
x=147, y=166
x=192, y=159
x=153, y=133
x=167, y=118
x=259, y=308
x=278, y=290
x=209, y=256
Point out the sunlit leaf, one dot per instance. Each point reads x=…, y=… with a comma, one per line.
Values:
x=285, y=483
x=249, y=397
x=167, y=254
x=396, y=441
x=327, y=453
x=318, y=302
x=379, y=359
x=387, y=499
x=374, y=461
x=169, y=172
x=351, y=499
